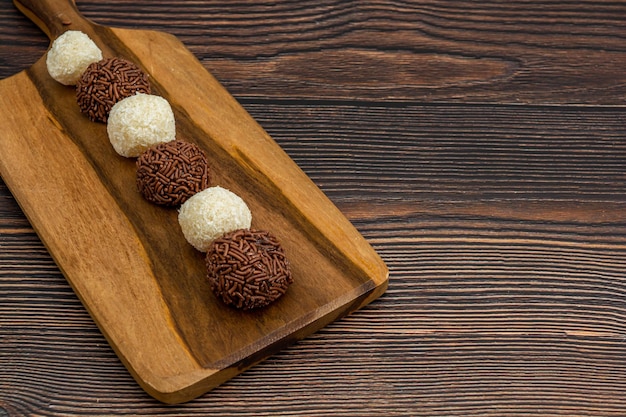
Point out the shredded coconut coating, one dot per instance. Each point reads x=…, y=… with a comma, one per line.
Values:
x=138, y=122
x=70, y=55
x=210, y=214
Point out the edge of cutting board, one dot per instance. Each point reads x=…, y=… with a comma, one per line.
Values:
x=127, y=260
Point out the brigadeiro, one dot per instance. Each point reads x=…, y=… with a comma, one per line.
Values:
x=106, y=82
x=169, y=173
x=248, y=269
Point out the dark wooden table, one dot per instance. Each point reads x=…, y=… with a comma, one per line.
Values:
x=480, y=148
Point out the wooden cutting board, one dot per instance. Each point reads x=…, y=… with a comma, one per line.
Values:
x=127, y=259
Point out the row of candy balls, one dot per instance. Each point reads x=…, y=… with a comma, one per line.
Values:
x=173, y=172
x=113, y=91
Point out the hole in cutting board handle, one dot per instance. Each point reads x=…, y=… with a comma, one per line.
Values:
x=52, y=16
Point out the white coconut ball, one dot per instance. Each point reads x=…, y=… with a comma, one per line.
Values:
x=138, y=122
x=210, y=214
x=70, y=55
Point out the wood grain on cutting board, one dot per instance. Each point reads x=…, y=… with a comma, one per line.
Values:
x=127, y=260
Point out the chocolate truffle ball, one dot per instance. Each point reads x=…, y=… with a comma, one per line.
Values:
x=106, y=82
x=248, y=269
x=169, y=173
x=70, y=55
x=138, y=122
x=209, y=214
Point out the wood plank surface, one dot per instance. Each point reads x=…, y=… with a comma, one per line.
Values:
x=498, y=202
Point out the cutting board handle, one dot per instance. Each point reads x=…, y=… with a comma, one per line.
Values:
x=52, y=16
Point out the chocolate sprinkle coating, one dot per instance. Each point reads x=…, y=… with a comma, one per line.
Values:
x=106, y=82
x=169, y=173
x=248, y=269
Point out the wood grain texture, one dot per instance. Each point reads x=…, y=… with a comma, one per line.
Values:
x=504, y=226
x=126, y=258
x=514, y=52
